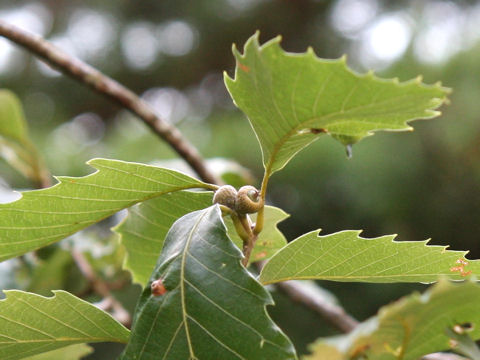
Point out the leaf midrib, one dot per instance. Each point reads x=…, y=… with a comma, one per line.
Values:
x=182, y=284
x=324, y=117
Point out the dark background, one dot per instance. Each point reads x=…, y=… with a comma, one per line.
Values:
x=418, y=185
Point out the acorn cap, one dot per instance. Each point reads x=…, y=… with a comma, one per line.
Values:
x=225, y=195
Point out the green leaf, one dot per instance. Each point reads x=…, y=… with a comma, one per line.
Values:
x=144, y=229
x=411, y=327
x=42, y=217
x=12, y=121
x=50, y=273
x=345, y=256
x=31, y=324
x=72, y=352
x=212, y=309
x=291, y=99
x=15, y=145
x=269, y=241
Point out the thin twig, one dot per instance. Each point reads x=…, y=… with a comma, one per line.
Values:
x=116, y=92
x=101, y=288
x=110, y=88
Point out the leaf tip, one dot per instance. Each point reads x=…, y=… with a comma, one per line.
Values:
x=317, y=232
x=228, y=80
x=92, y=162
x=235, y=51
x=253, y=40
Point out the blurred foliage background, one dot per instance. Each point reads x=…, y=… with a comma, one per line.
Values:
x=173, y=53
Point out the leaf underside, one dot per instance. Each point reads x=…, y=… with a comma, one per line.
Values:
x=42, y=217
x=291, y=99
x=213, y=308
x=409, y=328
x=31, y=324
x=345, y=256
x=144, y=229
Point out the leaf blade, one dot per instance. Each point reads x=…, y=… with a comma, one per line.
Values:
x=30, y=324
x=290, y=99
x=72, y=352
x=345, y=256
x=213, y=308
x=42, y=217
x=411, y=327
x=144, y=229
x=15, y=145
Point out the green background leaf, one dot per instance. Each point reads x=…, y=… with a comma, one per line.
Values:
x=31, y=324
x=269, y=241
x=144, y=229
x=345, y=256
x=15, y=145
x=42, y=217
x=72, y=352
x=290, y=99
x=411, y=327
x=213, y=308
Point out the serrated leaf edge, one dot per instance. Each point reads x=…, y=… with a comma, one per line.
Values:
x=253, y=41
x=442, y=249
x=97, y=164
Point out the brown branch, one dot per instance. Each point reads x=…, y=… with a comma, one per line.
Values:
x=119, y=94
x=334, y=314
x=309, y=296
x=101, y=288
x=110, y=88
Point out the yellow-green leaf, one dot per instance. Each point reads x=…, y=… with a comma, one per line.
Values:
x=345, y=256
x=290, y=99
x=15, y=145
x=42, y=217
x=409, y=328
x=269, y=241
x=72, y=352
x=31, y=324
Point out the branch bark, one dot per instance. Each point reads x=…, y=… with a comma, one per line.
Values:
x=113, y=90
x=306, y=295
x=124, y=97
x=101, y=288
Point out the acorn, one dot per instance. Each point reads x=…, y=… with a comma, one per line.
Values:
x=225, y=195
x=248, y=200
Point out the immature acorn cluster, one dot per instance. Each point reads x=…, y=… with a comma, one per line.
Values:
x=246, y=201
